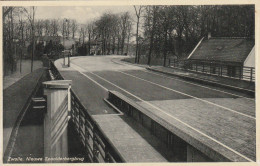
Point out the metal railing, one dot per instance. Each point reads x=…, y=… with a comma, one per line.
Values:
x=54, y=74
x=242, y=73
x=96, y=145
x=98, y=148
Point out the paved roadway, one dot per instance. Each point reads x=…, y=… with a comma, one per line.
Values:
x=224, y=116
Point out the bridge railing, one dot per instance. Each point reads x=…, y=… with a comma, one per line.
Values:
x=54, y=74
x=242, y=73
x=96, y=145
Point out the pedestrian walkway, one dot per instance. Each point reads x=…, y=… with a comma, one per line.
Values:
x=15, y=99
x=134, y=142
x=241, y=85
x=20, y=73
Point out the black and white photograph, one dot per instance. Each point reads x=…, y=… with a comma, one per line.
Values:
x=132, y=83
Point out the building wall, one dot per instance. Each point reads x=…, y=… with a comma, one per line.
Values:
x=217, y=69
x=250, y=60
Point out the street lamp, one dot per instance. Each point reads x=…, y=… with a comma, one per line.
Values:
x=64, y=28
x=69, y=52
x=15, y=51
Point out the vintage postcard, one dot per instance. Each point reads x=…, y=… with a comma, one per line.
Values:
x=129, y=82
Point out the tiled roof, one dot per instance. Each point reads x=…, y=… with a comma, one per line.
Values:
x=223, y=49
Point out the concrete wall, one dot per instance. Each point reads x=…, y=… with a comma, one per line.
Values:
x=250, y=60
x=183, y=152
x=55, y=124
x=56, y=120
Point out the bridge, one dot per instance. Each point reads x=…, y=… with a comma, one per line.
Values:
x=120, y=112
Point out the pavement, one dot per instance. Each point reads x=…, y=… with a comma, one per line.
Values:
x=225, y=82
x=225, y=116
x=17, y=75
x=15, y=97
x=134, y=142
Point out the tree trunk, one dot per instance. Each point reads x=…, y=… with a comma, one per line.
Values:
x=32, y=40
x=114, y=45
x=89, y=43
x=152, y=37
x=137, y=40
x=165, y=48
x=118, y=46
x=128, y=39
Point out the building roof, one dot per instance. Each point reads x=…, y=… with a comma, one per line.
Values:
x=223, y=49
x=48, y=38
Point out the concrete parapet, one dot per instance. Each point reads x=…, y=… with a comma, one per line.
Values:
x=185, y=146
x=56, y=119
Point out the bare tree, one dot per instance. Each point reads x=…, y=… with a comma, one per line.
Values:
x=124, y=22
x=31, y=16
x=83, y=33
x=8, y=38
x=46, y=27
x=129, y=34
x=6, y=10
x=90, y=31
x=39, y=24
x=152, y=12
x=68, y=27
x=138, y=12
x=74, y=27
x=21, y=34
x=54, y=27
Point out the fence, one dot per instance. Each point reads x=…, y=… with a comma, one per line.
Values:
x=96, y=145
x=242, y=73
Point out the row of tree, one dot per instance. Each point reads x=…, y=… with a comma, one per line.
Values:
x=15, y=34
x=110, y=31
x=22, y=30
x=175, y=30
x=154, y=31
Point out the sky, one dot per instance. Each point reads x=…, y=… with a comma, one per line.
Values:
x=83, y=14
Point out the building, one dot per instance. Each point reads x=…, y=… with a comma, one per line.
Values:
x=46, y=39
x=95, y=47
x=224, y=56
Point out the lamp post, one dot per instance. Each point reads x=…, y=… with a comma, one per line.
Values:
x=65, y=26
x=15, y=41
x=64, y=29
x=69, y=52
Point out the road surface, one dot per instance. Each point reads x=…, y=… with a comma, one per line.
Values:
x=223, y=116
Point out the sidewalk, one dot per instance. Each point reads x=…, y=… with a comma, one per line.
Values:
x=15, y=99
x=230, y=83
x=17, y=75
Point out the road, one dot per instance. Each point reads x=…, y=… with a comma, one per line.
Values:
x=223, y=116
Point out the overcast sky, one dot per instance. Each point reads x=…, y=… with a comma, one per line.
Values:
x=81, y=14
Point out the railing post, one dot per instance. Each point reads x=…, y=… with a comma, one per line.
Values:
x=251, y=74
x=56, y=119
x=241, y=74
